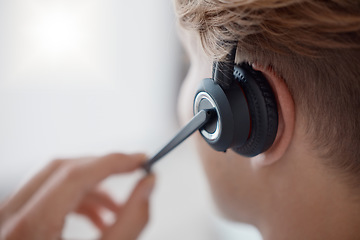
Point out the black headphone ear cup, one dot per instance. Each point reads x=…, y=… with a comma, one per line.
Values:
x=233, y=120
x=262, y=108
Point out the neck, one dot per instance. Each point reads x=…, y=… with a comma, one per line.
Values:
x=312, y=204
x=330, y=222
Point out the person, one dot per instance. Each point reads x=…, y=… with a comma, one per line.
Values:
x=306, y=185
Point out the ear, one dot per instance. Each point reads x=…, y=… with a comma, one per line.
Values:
x=286, y=125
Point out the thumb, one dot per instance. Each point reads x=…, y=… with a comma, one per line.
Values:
x=135, y=213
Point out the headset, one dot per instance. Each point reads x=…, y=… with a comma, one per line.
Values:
x=246, y=111
x=235, y=109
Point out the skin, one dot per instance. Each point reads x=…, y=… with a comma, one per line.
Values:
x=286, y=192
x=71, y=185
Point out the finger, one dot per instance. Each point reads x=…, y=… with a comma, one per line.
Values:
x=17, y=200
x=94, y=203
x=102, y=198
x=65, y=189
x=94, y=214
x=135, y=213
x=89, y=173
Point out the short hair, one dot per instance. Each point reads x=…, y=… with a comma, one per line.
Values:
x=313, y=45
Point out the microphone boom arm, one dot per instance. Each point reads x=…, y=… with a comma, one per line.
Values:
x=197, y=122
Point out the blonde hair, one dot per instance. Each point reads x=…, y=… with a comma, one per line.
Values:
x=313, y=45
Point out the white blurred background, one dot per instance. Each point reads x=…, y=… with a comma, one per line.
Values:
x=88, y=77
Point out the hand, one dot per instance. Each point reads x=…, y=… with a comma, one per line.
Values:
x=38, y=209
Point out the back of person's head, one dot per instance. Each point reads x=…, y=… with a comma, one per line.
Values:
x=314, y=46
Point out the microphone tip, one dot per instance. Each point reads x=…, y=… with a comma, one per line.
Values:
x=147, y=167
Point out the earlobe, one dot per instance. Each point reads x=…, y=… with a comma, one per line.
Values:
x=286, y=125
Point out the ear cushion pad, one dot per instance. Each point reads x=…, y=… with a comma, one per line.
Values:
x=262, y=107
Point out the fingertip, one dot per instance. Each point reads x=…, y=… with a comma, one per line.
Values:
x=146, y=186
x=150, y=180
x=141, y=156
x=133, y=161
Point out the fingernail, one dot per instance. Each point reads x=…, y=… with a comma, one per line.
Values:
x=148, y=186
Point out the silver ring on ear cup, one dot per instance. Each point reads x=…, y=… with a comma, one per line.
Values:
x=201, y=96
